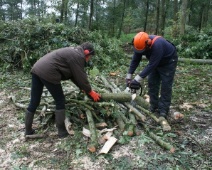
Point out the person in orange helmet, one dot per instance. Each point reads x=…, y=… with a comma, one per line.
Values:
x=61, y=64
x=160, y=70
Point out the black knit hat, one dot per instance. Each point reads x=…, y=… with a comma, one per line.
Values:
x=88, y=46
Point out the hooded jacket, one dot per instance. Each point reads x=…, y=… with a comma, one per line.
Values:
x=63, y=64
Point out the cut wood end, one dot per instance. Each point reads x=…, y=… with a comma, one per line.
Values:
x=92, y=149
x=164, y=123
x=82, y=116
x=172, y=150
x=178, y=115
x=113, y=73
x=71, y=132
x=101, y=125
x=167, y=128
x=130, y=133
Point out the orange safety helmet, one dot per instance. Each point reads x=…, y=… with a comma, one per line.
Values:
x=141, y=42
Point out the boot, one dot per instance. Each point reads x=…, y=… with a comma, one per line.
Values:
x=60, y=118
x=28, y=123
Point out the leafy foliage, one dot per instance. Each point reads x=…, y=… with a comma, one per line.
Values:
x=195, y=44
x=24, y=42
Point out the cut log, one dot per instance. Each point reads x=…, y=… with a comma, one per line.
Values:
x=94, y=140
x=164, y=124
x=161, y=120
x=187, y=60
x=124, y=97
x=158, y=140
x=137, y=113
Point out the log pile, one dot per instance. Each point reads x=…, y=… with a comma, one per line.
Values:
x=102, y=122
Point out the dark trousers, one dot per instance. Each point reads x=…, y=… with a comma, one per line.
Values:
x=161, y=81
x=37, y=90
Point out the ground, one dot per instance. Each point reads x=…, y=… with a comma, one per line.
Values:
x=191, y=137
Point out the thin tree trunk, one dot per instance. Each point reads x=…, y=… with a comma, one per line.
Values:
x=91, y=15
x=175, y=10
x=157, y=16
x=146, y=14
x=122, y=19
x=66, y=10
x=62, y=10
x=163, y=16
x=183, y=16
x=77, y=14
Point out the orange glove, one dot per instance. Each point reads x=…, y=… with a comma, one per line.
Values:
x=95, y=96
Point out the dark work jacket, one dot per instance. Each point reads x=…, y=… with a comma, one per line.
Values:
x=63, y=64
x=160, y=53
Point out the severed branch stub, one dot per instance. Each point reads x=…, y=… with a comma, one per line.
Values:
x=68, y=126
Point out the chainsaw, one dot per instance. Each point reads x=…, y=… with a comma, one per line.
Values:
x=133, y=95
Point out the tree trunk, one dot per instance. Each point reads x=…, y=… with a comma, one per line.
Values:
x=122, y=19
x=77, y=14
x=146, y=14
x=183, y=16
x=91, y=15
x=163, y=16
x=62, y=9
x=188, y=60
x=157, y=16
x=175, y=10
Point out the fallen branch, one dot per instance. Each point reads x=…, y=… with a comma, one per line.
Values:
x=161, y=120
x=35, y=136
x=93, y=145
x=159, y=141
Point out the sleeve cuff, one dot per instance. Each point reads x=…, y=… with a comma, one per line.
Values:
x=129, y=76
x=138, y=78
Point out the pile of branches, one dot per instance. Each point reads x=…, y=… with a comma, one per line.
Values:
x=103, y=122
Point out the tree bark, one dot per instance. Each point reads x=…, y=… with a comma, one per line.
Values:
x=94, y=139
x=157, y=16
x=146, y=15
x=124, y=97
x=183, y=16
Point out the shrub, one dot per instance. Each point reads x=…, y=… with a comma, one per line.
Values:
x=23, y=42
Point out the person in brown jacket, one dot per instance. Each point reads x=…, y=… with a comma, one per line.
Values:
x=61, y=64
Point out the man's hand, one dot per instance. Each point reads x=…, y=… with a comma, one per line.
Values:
x=95, y=96
x=134, y=85
x=128, y=79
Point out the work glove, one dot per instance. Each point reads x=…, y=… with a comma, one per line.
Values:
x=95, y=96
x=128, y=79
x=136, y=83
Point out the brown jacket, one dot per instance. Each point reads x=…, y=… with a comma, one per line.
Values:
x=63, y=64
